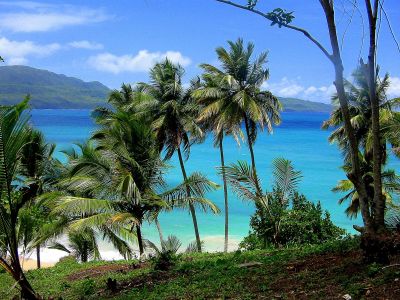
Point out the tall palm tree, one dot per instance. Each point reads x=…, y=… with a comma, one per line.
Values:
x=14, y=135
x=136, y=168
x=117, y=180
x=39, y=172
x=174, y=116
x=243, y=100
x=213, y=96
x=360, y=112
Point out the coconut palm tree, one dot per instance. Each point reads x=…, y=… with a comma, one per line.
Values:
x=115, y=183
x=81, y=245
x=173, y=113
x=14, y=135
x=74, y=212
x=240, y=81
x=360, y=111
x=38, y=174
x=213, y=97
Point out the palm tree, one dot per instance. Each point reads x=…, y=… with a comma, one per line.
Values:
x=39, y=171
x=82, y=245
x=74, y=212
x=360, y=112
x=241, y=178
x=14, y=135
x=174, y=115
x=239, y=96
x=213, y=97
x=115, y=182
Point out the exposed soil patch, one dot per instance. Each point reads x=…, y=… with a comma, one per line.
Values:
x=331, y=276
x=101, y=270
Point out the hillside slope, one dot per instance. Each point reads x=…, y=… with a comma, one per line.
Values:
x=48, y=89
x=51, y=90
x=327, y=271
x=294, y=104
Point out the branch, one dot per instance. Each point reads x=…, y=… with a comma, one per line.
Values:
x=303, y=31
x=390, y=26
x=6, y=266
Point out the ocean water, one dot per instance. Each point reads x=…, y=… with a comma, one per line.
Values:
x=299, y=138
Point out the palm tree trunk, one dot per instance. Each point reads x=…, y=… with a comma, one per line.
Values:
x=159, y=232
x=27, y=292
x=38, y=256
x=84, y=256
x=221, y=150
x=253, y=161
x=140, y=240
x=191, y=207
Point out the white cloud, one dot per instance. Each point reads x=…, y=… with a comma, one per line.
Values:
x=16, y=52
x=36, y=17
x=291, y=88
x=284, y=88
x=25, y=4
x=86, y=45
x=394, y=88
x=141, y=62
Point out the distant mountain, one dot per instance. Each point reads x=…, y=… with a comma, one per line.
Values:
x=51, y=90
x=48, y=89
x=293, y=104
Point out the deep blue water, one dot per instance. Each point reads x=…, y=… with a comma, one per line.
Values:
x=299, y=138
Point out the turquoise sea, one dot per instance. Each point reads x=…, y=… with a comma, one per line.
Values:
x=299, y=138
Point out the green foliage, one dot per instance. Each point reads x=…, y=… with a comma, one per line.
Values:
x=357, y=93
x=87, y=287
x=251, y=3
x=293, y=104
x=280, y=16
x=218, y=275
x=164, y=261
x=301, y=223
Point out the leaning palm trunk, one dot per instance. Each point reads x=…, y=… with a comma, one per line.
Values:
x=159, y=232
x=140, y=239
x=221, y=150
x=191, y=207
x=15, y=270
x=253, y=161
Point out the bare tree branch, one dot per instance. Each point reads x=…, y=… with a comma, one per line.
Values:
x=260, y=13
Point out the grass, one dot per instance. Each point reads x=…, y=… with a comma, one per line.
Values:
x=327, y=271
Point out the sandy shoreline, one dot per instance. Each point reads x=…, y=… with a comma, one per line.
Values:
x=49, y=257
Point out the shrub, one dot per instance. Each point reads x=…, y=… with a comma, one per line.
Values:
x=164, y=260
x=302, y=222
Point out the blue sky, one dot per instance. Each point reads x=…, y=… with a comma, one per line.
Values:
x=117, y=41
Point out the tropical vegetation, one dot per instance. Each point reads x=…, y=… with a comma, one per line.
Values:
x=114, y=183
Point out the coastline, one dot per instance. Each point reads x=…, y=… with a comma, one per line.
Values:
x=49, y=257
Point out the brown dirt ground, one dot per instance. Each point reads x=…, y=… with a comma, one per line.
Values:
x=101, y=270
x=322, y=276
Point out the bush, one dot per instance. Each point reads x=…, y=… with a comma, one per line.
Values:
x=87, y=287
x=301, y=223
x=164, y=261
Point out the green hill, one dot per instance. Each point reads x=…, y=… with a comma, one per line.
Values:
x=51, y=90
x=47, y=89
x=293, y=104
